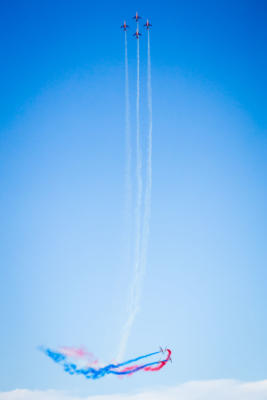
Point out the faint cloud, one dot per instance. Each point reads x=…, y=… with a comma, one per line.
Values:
x=198, y=390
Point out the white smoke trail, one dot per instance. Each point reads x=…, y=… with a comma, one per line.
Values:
x=127, y=130
x=136, y=284
x=147, y=199
x=128, y=181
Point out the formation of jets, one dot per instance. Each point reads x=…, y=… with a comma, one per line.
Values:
x=164, y=351
x=137, y=34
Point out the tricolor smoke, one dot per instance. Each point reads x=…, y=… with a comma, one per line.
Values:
x=78, y=361
x=89, y=372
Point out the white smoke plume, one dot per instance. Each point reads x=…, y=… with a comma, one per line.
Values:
x=128, y=181
x=142, y=219
x=148, y=188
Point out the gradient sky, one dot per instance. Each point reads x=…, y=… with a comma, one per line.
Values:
x=64, y=279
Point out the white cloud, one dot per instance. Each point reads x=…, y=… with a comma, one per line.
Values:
x=198, y=390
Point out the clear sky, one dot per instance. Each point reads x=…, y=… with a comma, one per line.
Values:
x=64, y=280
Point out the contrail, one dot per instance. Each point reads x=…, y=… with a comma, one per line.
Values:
x=127, y=131
x=147, y=199
x=128, y=148
x=136, y=284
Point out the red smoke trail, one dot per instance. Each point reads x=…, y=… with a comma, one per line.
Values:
x=161, y=365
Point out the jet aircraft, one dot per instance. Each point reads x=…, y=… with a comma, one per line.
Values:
x=125, y=26
x=137, y=17
x=137, y=34
x=147, y=24
x=164, y=351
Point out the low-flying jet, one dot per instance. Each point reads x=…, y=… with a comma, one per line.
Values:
x=137, y=17
x=147, y=24
x=125, y=26
x=137, y=34
x=164, y=351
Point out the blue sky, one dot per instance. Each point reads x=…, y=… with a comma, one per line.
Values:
x=62, y=150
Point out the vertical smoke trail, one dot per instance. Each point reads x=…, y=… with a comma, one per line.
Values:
x=136, y=285
x=138, y=173
x=147, y=200
x=128, y=183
